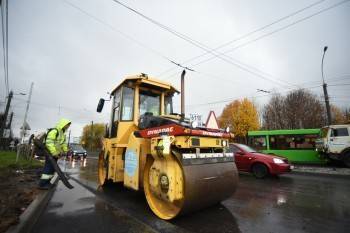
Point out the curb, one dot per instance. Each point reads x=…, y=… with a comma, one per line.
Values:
x=319, y=174
x=32, y=213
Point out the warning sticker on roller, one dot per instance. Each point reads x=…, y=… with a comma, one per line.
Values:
x=131, y=162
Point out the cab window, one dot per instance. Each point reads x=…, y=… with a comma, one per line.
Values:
x=127, y=104
x=149, y=102
x=340, y=132
x=168, y=105
x=116, y=106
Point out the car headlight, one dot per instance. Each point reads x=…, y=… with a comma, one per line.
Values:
x=194, y=124
x=276, y=160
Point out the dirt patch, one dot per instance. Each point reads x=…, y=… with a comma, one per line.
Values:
x=17, y=190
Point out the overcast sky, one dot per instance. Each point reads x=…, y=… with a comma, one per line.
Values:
x=75, y=51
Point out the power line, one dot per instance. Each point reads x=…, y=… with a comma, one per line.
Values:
x=339, y=84
x=196, y=43
x=55, y=107
x=331, y=79
x=258, y=96
x=275, y=31
x=249, y=33
x=7, y=47
x=118, y=31
x=4, y=30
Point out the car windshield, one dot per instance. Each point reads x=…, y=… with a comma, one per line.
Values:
x=246, y=148
x=324, y=132
x=76, y=147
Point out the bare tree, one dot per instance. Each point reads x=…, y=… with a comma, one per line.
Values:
x=299, y=109
x=273, y=113
x=346, y=113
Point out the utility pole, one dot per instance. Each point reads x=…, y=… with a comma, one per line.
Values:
x=325, y=92
x=3, y=124
x=25, y=118
x=69, y=137
x=91, y=134
x=10, y=121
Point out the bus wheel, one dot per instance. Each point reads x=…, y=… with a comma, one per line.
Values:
x=260, y=170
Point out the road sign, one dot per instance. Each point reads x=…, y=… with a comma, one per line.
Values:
x=212, y=122
x=196, y=117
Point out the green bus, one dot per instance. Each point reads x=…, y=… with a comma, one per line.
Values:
x=297, y=145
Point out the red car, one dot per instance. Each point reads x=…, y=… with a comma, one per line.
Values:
x=261, y=165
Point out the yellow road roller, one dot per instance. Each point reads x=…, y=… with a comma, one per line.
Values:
x=180, y=165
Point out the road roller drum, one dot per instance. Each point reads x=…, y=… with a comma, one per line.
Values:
x=192, y=187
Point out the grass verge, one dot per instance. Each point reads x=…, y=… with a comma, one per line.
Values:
x=8, y=161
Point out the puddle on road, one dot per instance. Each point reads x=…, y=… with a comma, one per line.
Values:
x=69, y=201
x=291, y=204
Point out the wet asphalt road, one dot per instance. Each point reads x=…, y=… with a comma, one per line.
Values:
x=291, y=203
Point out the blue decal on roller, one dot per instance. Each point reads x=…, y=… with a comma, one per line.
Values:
x=130, y=162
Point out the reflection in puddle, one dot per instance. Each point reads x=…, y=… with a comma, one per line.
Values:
x=83, y=163
x=281, y=199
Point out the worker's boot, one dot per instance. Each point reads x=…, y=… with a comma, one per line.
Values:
x=44, y=184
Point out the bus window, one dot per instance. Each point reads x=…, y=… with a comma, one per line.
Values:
x=258, y=142
x=292, y=142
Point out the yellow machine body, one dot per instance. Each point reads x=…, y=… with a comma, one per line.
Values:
x=178, y=173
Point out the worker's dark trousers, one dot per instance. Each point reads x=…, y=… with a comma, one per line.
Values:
x=47, y=173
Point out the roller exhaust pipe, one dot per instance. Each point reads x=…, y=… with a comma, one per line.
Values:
x=183, y=94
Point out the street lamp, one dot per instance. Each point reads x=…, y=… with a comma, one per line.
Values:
x=324, y=52
x=325, y=93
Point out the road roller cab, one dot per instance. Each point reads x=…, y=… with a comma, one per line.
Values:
x=147, y=147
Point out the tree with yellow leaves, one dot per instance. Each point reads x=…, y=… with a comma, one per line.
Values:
x=92, y=135
x=241, y=116
x=338, y=117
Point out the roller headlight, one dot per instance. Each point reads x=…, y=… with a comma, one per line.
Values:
x=224, y=143
x=194, y=124
x=278, y=161
x=227, y=130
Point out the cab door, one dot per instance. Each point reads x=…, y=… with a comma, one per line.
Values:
x=339, y=139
